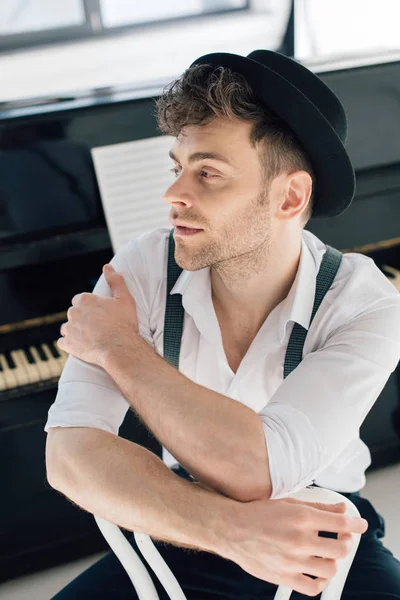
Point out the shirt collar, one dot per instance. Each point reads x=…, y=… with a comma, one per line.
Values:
x=195, y=287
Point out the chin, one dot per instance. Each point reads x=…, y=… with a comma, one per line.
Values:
x=190, y=262
x=189, y=265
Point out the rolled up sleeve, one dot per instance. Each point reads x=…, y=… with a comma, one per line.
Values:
x=317, y=411
x=87, y=396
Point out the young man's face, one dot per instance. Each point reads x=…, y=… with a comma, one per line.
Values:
x=224, y=195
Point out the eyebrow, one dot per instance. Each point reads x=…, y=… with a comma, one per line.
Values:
x=197, y=156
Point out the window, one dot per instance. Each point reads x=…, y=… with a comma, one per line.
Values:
x=33, y=22
x=23, y=16
x=127, y=12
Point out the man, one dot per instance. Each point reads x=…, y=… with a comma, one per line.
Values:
x=259, y=144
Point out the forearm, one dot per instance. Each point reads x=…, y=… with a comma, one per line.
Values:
x=217, y=439
x=127, y=484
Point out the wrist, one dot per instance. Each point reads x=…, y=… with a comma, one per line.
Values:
x=113, y=360
x=219, y=518
x=131, y=355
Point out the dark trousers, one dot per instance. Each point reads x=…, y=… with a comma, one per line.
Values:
x=374, y=575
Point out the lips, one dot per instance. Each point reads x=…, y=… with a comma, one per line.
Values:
x=186, y=231
x=180, y=224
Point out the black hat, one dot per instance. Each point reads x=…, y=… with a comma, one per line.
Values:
x=310, y=109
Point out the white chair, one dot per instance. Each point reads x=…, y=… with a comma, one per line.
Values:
x=144, y=585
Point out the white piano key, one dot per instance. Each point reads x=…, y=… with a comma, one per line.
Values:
x=32, y=371
x=3, y=384
x=9, y=376
x=20, y=372
x=42, y=365
x=53, y=363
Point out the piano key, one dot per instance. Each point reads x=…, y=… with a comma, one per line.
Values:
x=54, y=349
x=44, y=370
x=41, y=353
x=20, y=372
x=54, y=364
x=31, y=370
x=63, y=355
x=28, y=355
x=8, y=373
x=36, y=373
x=3, y=384
x=10, y=362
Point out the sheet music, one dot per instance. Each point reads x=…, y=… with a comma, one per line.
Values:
x=132, y=179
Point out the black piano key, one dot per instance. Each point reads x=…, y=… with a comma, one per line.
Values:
x=9, y=360
x=28, y=355
x=41, y=353
x=54, y=350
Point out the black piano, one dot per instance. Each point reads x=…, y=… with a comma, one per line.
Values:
x=54, y=242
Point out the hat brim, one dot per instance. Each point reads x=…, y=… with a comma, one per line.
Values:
x=335, y=180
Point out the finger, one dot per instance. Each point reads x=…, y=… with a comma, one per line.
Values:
x=319, y=567
x=339, y=507
x=115, y=281
x=322, y=518
x=63, y=329
x=329, y=547
x=338, y=523
x=305, y=585
x=325, y=517
x=62, y=344
x=75, y=300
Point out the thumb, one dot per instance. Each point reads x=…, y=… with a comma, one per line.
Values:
x=115, y=281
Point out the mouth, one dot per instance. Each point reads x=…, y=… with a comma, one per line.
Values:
x=185, y=231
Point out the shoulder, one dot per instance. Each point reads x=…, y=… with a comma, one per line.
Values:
x=147, y=253
x=142, y=261
x=365, y=288
x=360, y=312
x=359, y=286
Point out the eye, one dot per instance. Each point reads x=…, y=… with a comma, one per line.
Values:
x=203, y=174
x=174, y=170
x=208, y=175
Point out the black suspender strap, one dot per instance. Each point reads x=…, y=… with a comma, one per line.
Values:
x=326, y=274
x=174, y=312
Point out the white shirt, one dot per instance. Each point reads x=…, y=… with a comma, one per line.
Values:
x=312, y=418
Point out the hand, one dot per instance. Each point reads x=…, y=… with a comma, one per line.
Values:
x=97, y=325
x=277, y=541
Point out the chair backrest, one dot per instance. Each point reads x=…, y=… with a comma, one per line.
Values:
x=145, y=587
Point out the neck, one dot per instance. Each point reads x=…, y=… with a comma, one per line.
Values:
x=250, y=286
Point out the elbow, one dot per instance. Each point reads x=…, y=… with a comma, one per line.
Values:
x=256, y=484
x=247, y=494
x=66, y=448
x=262, y=491
x=252, y=483
x=53, y=458
x=63, y=446
x=248, y=489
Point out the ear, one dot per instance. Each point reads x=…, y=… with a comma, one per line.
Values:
x=298, y=191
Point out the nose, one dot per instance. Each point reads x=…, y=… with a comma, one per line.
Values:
x=180, y=192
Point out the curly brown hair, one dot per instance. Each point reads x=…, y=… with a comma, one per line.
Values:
x=205, y=92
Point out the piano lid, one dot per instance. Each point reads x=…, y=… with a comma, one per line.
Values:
x=48, y=183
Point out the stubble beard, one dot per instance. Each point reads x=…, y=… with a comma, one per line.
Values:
x=242, y=246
